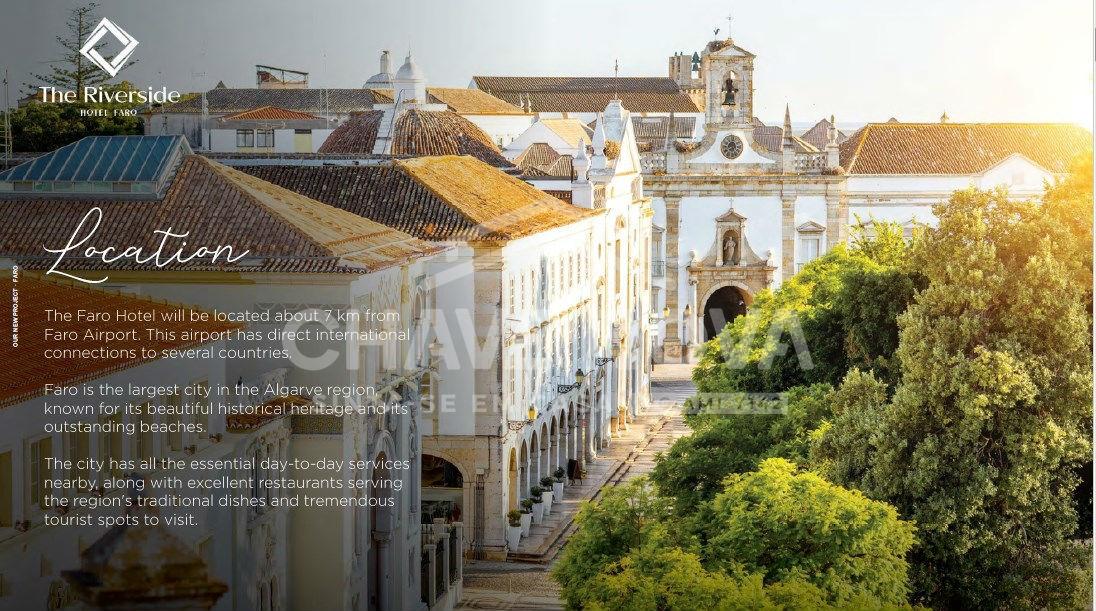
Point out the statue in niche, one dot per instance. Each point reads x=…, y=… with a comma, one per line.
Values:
x=730, y=249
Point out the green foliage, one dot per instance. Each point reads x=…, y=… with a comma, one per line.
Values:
x=513, y=517
x=693, y=470
x=789, y=525
x=39, y=127
x=981, y=441
x=837, y=313
x=73, y=71
x=624, y=519
x=628, y=553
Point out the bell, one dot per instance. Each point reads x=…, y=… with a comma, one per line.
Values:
x=728, y=98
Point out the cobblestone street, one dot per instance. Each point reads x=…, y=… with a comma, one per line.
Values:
x=527, y=585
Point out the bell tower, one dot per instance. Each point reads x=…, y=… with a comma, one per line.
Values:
x=728, y=83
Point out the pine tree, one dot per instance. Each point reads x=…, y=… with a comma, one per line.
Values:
x=72, y=71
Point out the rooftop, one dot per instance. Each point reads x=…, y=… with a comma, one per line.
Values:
x=284, y=231
x=124, y=166
x=270, y=113
x=417, y=133
x=541, y=160
x=589, y=94
x=26, y=371
x=224, y=100
x=959, y=148
x=572, y=131
x=461, y=101
x=433, y=198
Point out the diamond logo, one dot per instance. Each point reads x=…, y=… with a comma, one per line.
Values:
x=129, y=44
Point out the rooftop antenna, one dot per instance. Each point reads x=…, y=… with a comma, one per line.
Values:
x=5, y=124
x=616, y=76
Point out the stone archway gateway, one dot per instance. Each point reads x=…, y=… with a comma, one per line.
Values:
x=722, y=307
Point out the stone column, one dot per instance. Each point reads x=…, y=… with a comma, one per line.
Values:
x=837, y=220
x=787, y=236
x=671, y=344
x=382, y=539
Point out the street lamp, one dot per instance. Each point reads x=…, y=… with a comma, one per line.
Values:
x=435, y=349
x=566, y=388
x=530, y=417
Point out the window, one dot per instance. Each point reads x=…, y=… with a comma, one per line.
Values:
x=143, y=442
x=174, y=438
x=809, y=246
x=110, y=445
x=5, y=491
x=245, y=138
x=77, y=451
x=199, y=396
x=264, y=138
x=38, y=452
x=302, y=132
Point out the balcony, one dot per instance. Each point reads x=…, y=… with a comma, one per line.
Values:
x=658, y=268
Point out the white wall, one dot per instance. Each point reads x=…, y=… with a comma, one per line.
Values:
x=502, y=128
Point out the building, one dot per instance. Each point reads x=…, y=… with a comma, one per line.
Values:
x=494, y=394
x=747, y=204
x=32, y=554
x=304, y=258
x=524, y=300
x=198, y=114
x=582, y=98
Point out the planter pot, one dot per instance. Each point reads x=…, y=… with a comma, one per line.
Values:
x=538, y=512
x=547, y=502
x=513, y=537
x=557, y=492
x=526, y=521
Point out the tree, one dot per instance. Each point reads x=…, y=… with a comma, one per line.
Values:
x=693, y=470
x=623, y=520
x=791, y=525
x=981, y=441
x=44, y=127
x=629, y=553
x=72, y=71
x=837, y=313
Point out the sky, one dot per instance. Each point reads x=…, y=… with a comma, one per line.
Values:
x=861, y=60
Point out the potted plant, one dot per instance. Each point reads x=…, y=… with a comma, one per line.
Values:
x=557, y=486
x=546, y=484
x=513, y=529
x=526, y=516
x=537, y=494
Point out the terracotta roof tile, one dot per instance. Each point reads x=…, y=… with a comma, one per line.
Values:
x=538, y=154
x=502, y=206
x=959, y=148
x=224, y=100
x=417, y=133
x=273, y=409
x=284, y=231
x=589, y=94
x=433, y=198
x=818, y=135
x=26, y=370
x=572, y=131
x=270, y=113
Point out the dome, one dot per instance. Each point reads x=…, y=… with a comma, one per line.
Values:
x=416, y=133
x=379, y=80
x=384, y=77
x=410, y=71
